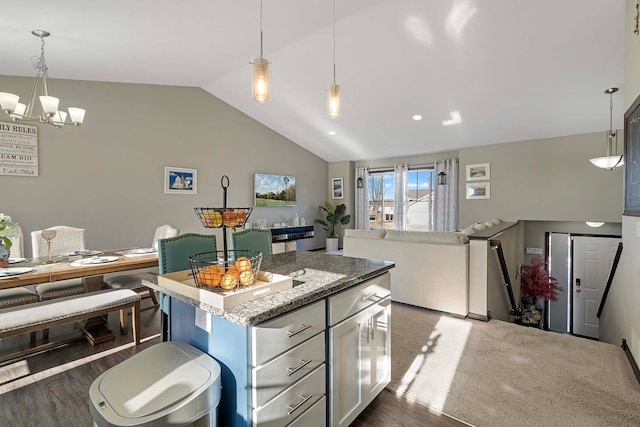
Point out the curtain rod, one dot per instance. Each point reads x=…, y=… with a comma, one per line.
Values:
x=409, y=166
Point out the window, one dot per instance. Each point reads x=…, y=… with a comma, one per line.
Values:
x=420, y=192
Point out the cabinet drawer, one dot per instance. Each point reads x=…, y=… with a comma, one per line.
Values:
x=351, y=301
x=292, y=402
x=316, y=416
x=278, y=374
x=278, y=335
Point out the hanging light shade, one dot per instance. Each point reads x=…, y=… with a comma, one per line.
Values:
x=260, y=81
x=333, y=93
x=612, y=160
x=49, y=105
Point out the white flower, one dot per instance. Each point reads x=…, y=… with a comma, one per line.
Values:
x=8, y=228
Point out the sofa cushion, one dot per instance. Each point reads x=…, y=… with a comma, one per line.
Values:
x=495, y=221
x=479, y=227
x=468, y=231
x=365, y=234
x=446, y=237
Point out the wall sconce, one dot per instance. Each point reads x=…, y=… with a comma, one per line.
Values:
x=360, y=182
x=442, y=178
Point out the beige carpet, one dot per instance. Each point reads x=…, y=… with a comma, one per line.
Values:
x=501, y=374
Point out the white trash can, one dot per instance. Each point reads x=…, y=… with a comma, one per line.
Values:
x=168, y=384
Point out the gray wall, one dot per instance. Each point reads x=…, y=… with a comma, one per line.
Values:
x=107, y=176
x=548, y=179
x=621, y=317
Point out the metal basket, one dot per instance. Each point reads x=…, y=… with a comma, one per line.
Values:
x=212, y=271
x=227, y=217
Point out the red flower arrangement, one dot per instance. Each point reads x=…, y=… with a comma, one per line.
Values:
x=536, y=282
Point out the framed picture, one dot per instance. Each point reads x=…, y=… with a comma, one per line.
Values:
x=632, y=159
x=336, y=185
x=180, y=180
x=479, y=172
x=274, y=190
x=479, y=190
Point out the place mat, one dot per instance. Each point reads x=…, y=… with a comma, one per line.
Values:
x=13, y=271
x=137, y=252
x=85, y=253
x=97, y=260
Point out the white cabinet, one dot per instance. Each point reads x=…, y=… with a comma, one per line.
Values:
x=288, y=373
x=360, y=349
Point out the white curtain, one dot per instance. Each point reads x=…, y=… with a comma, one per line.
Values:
x=400, y=197
x=362, y=199
x=446, y=201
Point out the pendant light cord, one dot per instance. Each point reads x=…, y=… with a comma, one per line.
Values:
x=334, y=42
x=261, y=38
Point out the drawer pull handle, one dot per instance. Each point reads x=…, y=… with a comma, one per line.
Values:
x=292, y=409
x=297, y=331
x=370, y=296
x=303, y=363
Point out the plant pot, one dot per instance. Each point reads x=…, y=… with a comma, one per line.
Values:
x=332, y=244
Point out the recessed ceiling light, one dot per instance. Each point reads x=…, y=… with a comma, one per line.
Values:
x=332, y=133
x=417, y=117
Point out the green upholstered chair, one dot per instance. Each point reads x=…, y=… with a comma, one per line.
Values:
x=252, y=240
x=173, y=254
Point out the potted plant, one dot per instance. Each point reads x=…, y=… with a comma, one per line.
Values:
x=536, y=284
x=335, y=216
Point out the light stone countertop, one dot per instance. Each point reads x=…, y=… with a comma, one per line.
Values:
x=315, y=275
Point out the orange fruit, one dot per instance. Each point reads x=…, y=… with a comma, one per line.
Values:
x=247, y=278
x=243, y=264
x=208, y=276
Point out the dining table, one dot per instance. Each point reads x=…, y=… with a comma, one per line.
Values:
x=90, y=266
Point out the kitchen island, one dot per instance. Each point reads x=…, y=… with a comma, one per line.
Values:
x=315, y=354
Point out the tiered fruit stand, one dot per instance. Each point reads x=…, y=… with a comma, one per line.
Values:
x=211, y=269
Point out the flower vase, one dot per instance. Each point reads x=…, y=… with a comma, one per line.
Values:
x=5, y=252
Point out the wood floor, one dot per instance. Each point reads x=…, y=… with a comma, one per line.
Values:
x=52, y=388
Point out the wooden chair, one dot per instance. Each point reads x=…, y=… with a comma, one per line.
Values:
x=67, y=240
x=134, y=281
x=173, y=254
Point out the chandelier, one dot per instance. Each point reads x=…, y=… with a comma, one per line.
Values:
x=49, y=112
x=612, y=160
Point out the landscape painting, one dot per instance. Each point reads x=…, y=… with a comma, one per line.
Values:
x=274, y=190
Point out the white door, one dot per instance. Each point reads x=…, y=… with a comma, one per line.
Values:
x=592, y=261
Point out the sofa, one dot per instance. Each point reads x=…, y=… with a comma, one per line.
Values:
x=453, y=272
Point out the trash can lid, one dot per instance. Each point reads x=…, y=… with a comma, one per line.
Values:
x=157, y=378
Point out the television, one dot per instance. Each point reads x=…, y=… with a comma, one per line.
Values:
x=274, y=190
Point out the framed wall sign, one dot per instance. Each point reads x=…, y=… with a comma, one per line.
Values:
x=632, y=159
x=338, y=189
x=180, y=180
x=478, y=172
x=479, y=190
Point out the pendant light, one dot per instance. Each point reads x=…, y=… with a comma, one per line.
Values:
x=612, y=160
x=260, y=82
x=333, y=93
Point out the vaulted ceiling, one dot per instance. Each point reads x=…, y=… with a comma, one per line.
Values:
x=513, y=70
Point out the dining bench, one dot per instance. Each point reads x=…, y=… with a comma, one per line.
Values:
x=45, y=314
